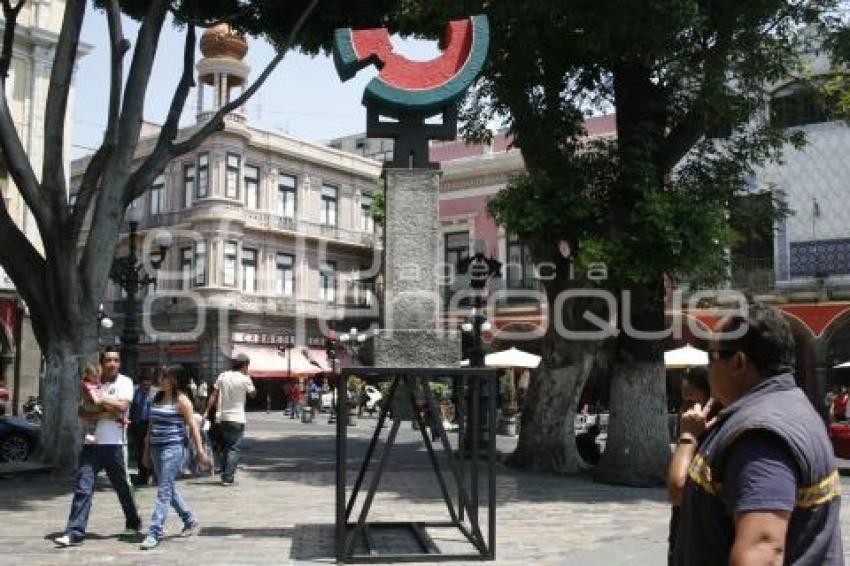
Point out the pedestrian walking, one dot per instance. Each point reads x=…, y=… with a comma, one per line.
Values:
x=108, y=452
x=295, y=394
x=171, y=415
x=229, y=392
x=138, y=428
x=763, y=486
x=696, y=394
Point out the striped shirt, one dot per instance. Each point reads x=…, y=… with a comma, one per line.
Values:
x=167, y=425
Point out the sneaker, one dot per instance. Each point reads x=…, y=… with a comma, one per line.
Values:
x=149, y=543
x=130, y=534
x=190, y=530
x=66, y=540
x=227, y=483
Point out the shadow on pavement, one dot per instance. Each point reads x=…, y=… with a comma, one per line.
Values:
x=310, y=460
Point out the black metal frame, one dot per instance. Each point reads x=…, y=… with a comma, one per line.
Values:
x=464, y=515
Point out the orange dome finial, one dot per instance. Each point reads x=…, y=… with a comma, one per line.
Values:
x=221, y=40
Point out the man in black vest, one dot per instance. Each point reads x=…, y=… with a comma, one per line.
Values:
x=763, y=486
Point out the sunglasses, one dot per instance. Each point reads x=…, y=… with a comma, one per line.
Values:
x=723, y=354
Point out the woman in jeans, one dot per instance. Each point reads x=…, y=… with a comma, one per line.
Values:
x=170, y=418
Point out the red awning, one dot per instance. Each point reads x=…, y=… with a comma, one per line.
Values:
x=269, y=362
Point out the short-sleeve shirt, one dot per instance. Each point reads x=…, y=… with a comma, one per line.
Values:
x=760, y=475
x=232, y=387
x=109, y=431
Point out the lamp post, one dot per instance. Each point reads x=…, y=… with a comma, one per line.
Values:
x=481, y=269
x=103, y=321
x=330, y=351
x=129, y=274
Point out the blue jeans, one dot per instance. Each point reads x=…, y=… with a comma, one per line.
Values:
x=294, y=410
x=93, y=459
x=167, y=462
x=232, y=434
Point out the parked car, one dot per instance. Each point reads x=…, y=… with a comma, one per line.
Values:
x=18, y=438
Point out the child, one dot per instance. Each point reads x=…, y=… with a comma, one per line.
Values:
x=90, y=385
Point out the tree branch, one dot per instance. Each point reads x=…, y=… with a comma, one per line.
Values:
x=132, y=111
x=158, y=159
x=61, y=75
x=25, y=267
x=14, y=155
x=10, y=15
x=91, y=178
x=20, y=168
x=682, y=137
x=217, y=121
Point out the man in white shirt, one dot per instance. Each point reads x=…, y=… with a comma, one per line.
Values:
x=229, y=392
x=113, y=398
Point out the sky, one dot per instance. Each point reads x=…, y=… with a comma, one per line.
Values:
x=303, y=97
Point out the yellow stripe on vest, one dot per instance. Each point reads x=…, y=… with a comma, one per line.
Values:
x=700, y=472
x=819, y=494
x=822, y=492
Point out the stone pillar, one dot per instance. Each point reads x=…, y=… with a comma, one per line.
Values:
x=413, y=335
x=200, y=89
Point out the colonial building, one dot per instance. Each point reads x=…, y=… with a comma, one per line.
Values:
x=36, y=36
x=272, y=237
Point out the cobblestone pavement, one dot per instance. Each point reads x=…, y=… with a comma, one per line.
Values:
x=282, y=510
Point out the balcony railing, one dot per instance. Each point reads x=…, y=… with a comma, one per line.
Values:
x=259, y=220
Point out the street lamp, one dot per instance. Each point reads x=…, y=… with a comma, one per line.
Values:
x=129, y=274
x=481, y=269
x=103, y=321
x=330, y=351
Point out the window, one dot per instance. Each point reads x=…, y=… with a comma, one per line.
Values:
x=249, y=270
x=364, y=288
x=231, y=181
x=188, y=184
x=327, y=282
x=367, y=223
x=329, y=198
x=252, y=187
x=799, y=107
x=285, y=275
x=456, y=249
x=200, y=263
x=286, y=186
x=519, y=271
x=158, y=195
x=203, y=189
x=185, y=267
x=136, y=203
x=230, y=264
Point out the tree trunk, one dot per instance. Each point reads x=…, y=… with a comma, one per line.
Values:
x=638, y=446
x=61, y=436
x=547, y=435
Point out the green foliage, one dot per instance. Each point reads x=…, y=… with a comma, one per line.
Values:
x=655, y=200
x=439, y=389
x=379, y=203
x=273, y=19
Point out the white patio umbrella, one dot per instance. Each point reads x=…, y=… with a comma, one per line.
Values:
x=685, y=357
x=842, y=366
x=510, y=358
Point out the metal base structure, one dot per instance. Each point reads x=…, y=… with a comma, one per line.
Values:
x=464, y=512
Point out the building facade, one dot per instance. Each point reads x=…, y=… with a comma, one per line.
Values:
x=272, y=238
